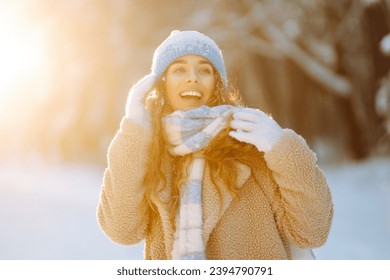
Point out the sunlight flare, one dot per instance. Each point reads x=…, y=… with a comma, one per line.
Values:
x=22, y=54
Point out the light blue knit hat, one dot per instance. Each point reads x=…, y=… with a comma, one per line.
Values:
x=181, y=43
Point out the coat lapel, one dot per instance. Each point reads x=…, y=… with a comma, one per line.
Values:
x=213, y=210
x=211, y=207
x=163, y=204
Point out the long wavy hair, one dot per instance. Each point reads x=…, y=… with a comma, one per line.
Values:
x=221, y=155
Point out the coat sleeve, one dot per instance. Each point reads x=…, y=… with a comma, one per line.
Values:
x=303, y=198
x=119, y=211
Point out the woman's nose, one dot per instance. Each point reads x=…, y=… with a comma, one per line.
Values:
x=192, y=76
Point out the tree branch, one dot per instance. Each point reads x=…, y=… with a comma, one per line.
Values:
x=337, y=83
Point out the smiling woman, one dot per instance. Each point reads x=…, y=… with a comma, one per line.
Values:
x=190, y=82
x=199, y=176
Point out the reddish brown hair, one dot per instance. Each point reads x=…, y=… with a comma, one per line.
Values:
x=221, y=155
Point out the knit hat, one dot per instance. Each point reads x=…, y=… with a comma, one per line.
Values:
x=181, y=43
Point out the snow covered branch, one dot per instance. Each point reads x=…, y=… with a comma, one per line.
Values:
x=337, y=83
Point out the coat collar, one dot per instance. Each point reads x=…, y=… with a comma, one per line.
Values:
x=213, y=208
x=164, y=206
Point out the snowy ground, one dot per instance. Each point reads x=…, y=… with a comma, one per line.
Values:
x=361, y=196
x=48, y=212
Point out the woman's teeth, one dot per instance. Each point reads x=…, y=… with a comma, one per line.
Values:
x=191, y=93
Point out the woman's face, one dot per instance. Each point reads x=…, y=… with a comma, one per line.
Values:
x=190, y=81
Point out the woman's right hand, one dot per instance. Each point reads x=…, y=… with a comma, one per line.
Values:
x=135, y=106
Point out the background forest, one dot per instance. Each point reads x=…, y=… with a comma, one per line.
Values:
x=320, y=67
x=317, y=66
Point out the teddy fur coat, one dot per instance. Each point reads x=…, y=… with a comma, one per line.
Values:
x=286, y=201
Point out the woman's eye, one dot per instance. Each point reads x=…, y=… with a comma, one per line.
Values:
x=178, y=70
x=205, y=70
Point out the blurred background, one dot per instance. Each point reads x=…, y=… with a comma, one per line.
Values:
x=319, y=67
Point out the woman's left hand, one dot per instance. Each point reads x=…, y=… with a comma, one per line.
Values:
x=255, y=127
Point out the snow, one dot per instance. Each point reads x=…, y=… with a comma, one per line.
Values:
x=361, y=197
x=47, y=211
x=385, y=45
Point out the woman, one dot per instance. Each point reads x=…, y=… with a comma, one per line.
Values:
x=198, y=176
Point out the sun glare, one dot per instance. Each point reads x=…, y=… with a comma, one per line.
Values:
x=22, y=52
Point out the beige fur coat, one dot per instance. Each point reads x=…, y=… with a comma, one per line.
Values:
x=286, y=201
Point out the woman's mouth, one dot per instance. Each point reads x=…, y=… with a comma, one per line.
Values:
x=191, y=94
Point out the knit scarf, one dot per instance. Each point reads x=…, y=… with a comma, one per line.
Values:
x=188, y=132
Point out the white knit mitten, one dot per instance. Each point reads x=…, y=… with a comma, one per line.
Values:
x=254, y=127
x=135, y=106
